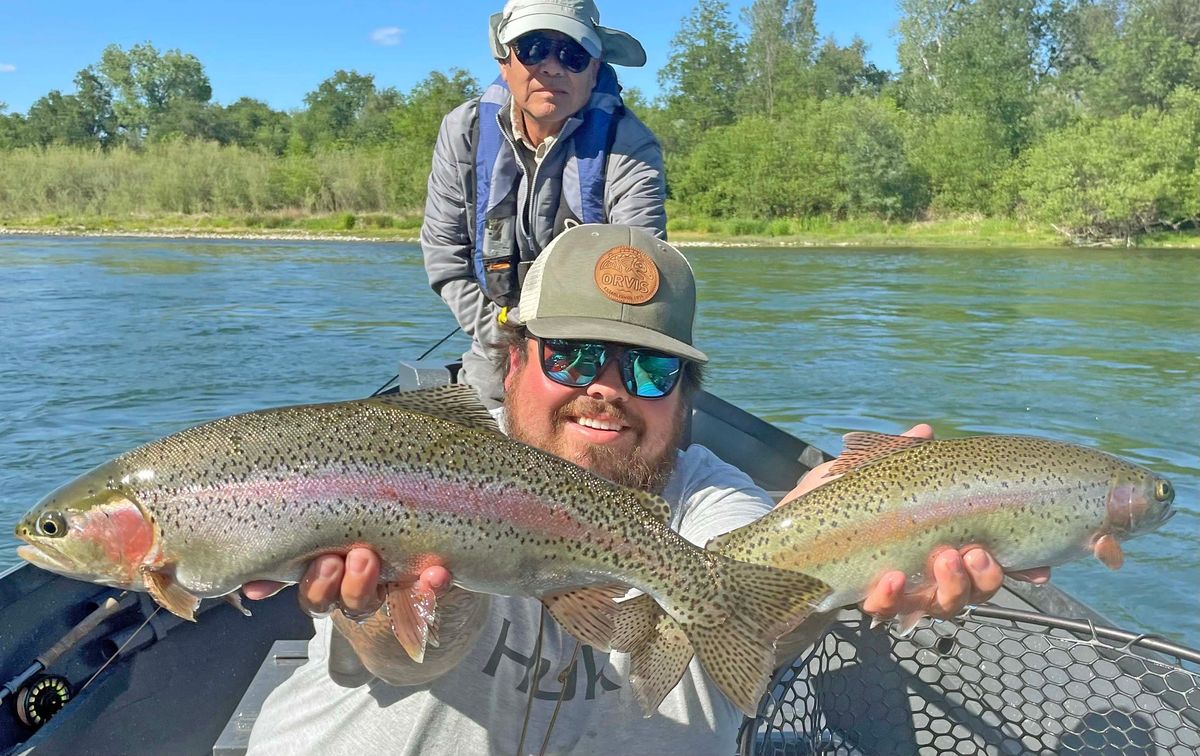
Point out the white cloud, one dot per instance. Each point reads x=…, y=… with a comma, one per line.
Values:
x=387, y=35
x=7, y=68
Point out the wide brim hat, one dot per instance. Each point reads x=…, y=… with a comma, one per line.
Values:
x=578, y=19
x=604, y=282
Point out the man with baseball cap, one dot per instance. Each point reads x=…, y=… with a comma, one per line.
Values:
x=548, y=145
x=599, y=363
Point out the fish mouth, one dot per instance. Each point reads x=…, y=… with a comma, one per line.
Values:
x=46, y=558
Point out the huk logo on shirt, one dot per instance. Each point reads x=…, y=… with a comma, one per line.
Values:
x=626, y=275
x=594, y=681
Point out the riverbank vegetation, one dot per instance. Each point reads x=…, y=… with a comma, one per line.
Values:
x=1009, y=121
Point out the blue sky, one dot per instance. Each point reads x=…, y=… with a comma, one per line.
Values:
x=278, y=52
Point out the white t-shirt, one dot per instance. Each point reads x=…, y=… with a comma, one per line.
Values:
x=479, y=705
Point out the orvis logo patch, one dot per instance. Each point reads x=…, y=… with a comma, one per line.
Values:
x=626, y=275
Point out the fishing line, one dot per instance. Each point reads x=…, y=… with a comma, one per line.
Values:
x=443, y=341
x=392, y=380
x=533, y=678
x=121, y=648
x=562, y=694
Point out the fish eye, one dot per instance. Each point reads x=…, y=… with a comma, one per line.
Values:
x=52, y=525
x=1163, y=491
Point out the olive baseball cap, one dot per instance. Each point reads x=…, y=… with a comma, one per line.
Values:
x=578, y=19
x=608, y=282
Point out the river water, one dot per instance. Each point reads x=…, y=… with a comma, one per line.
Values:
x=105, y=344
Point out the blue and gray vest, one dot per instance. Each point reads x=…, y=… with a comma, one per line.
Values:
x=496, y=257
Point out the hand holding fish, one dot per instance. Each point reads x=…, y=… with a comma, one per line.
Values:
x=350, y=583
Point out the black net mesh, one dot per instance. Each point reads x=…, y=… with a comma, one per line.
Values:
x=993, y=682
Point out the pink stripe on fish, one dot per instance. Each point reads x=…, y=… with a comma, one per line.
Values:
x=898, y=525
x=427, y=496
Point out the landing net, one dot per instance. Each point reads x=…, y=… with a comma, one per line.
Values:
x=993, y=681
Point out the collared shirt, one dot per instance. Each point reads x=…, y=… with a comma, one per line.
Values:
x=518, y=122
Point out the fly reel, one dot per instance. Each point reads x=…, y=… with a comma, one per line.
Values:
x=41, y=698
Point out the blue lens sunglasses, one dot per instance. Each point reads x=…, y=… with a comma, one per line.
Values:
x=646, y=373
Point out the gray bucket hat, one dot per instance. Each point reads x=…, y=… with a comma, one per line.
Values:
x=612, y=283
x=578, y=19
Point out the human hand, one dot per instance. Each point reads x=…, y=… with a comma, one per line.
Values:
x=959, y=577
x=350, y=583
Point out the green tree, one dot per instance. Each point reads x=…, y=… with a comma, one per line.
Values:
x=56, y=118
x=148, y=85
x=12, y=129
x=839, y=157
x=1157, y=50
x=252, y=124
x=783, y=39
x=96, y=106
x=964, y=158
x=703, y=78
x=374, y=123
x=425, y=105
x=982, y=56
x=841, y=71
x=334, y=108
x=414, y=130
x=1105, y=178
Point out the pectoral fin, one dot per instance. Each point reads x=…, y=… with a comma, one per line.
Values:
x=167, y=593
x=906, y=623
x=587, y=613
x=1108, y=550
x=413, y=612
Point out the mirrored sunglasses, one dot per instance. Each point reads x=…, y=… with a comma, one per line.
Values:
x=646, y=373
x=532, y=49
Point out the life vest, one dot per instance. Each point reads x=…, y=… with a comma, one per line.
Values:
x=496, y=257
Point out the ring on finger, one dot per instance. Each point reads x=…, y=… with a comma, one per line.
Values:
x=316, y=613
x=358, y=616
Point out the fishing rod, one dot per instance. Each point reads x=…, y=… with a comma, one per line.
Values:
x=57, y=690
x=425, y=354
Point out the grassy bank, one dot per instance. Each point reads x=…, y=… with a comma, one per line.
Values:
x=690, y=230
x=372, y=226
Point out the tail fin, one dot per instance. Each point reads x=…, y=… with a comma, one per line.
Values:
x=760, y=604
x=763, y=603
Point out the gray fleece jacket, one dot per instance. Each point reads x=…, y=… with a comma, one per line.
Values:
x=635, y=189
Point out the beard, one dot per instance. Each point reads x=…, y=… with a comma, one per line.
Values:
x=636, y=469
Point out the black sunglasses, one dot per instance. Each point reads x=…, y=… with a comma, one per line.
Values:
x=532, y=49
x=646, y=373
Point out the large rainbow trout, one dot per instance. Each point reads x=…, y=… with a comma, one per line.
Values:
x=1031, y=502
x=422, y=478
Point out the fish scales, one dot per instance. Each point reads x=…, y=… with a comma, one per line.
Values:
x=422, y=478
x=279, y=499
x=1031, y=502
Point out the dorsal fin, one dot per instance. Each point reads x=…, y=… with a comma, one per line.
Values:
x=456, y=403
x=861, y=448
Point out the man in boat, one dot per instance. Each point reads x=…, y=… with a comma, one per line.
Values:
x=548, y=144
x=599, y=366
